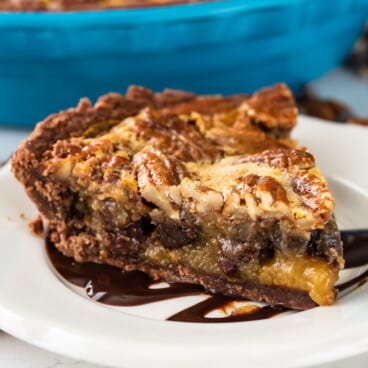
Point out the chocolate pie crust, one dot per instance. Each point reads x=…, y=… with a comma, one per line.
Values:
x=201, y=189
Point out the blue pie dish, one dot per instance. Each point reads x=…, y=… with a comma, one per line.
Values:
x=49, y=60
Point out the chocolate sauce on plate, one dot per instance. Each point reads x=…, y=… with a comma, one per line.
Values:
x=356, y=255
x=110, y=285
x=199, y=312
x=355, y=247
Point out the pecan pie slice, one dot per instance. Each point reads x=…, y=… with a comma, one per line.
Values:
x=199, y=189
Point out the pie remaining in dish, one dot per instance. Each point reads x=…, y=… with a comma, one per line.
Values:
x=57, y=5
x=201, y=189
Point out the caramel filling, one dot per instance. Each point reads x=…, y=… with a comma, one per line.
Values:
x=288, y=270
x=303, y=273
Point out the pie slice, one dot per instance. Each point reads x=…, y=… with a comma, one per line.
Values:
x=200, y=189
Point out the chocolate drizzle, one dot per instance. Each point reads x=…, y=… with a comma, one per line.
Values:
x=112, y=286
x=355, y=247
x=356, y=255
x=199, y=312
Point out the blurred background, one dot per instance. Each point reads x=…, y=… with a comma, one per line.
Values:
x=50, y=57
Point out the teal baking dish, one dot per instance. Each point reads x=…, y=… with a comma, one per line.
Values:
x=49, y=60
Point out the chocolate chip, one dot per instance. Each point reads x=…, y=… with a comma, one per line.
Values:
x=107, y=212
x=246, y=242
x=227, y=266
x=173, y=235
x=266, y=254
x=297, y=244
x=323, y=240
x=234, y=254
x=147, y=226
x=122, y=241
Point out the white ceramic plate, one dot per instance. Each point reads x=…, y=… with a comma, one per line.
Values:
x=37, y=307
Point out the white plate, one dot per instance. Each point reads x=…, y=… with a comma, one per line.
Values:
x=37, y=307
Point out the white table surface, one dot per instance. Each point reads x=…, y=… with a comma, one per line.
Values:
x=17, y=354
